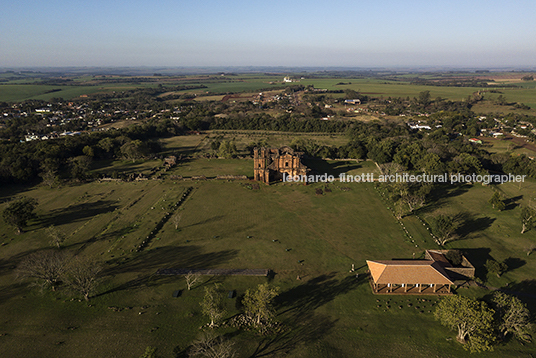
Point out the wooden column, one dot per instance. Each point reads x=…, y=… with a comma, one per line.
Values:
x=435, y=287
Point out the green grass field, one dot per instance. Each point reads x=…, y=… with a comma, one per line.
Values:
x=283, y=227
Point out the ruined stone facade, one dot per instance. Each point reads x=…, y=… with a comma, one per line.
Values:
x=271, y=163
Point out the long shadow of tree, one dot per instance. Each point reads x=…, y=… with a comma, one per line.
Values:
x=468, y=224
x=301, y=325
x=309, y=327
x=478, y=258
x=512, y=203
x=148, y=262
x=316, y=292
x=439, y=195
x=77, y=212
x=514, y=263
x=7, y=265
x=524, y=290
x=335, y=169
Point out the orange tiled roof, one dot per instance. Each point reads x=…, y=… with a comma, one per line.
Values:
x=408, y=272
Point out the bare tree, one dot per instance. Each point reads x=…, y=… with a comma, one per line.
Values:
x=82, y=275
x=56, y=236
x=413, y=201
x=50, y=178
x=529, y=249
x=46, y=267
x=176, y=219
x=390, y=168
x=191, y=279
x=527, y=219
x=208, y=345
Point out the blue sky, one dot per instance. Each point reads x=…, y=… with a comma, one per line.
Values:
x=470, y=33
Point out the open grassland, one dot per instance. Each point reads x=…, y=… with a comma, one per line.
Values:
x=487, y=233
x=201, y=144
x=284, y=227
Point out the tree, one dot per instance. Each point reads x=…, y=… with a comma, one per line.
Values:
x=501, y=100
x=80, y=167
x=424, y=98
x=472, y=318
x=495, y=267
x=50, y=178
x=19, y=212
x=211, y=346
x=497, y=202
x=82, y=275
x=150, y=352
x=176, y=219
x=399, y=209
x=191, y=278
x=258, y=303
x=88, y=151
x=47, y=267
x=213, y=304
x=56, y=236
x=454, y=257
x=227, y=149
x=514, y=316
x=527, y=219
x=444, y=227
x=134, y=149
x=413, y=201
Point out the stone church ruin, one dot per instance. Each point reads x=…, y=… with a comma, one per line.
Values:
x=271, y=164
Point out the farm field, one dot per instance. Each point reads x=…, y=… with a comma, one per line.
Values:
x=284, y=227
x=216, y=86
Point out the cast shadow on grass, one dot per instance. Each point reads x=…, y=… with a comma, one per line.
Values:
x=7, y=265
x=524, y=290
x=514, y=263
x=296, y=307
x=478, y=258
x=469, y=224
x=148, y=262
x=14, y=290
x=316, y=292
x=81, y=246
x=299, y=331
x=206, y=221
x=439, y=195
x=320, y=166
x=77, y=212
x=512, y=203
x=10, y=192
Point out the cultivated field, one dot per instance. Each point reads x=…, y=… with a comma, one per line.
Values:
x=252, y=84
